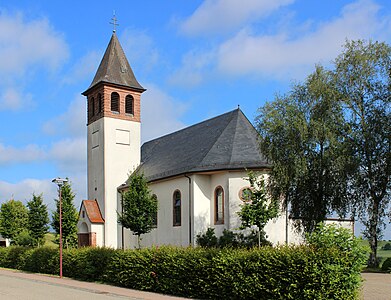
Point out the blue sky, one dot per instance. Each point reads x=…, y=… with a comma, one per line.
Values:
x=197, y=59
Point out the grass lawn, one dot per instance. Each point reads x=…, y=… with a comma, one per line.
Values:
x=382, y=254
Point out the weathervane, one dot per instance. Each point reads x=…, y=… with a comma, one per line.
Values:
x=114, y=23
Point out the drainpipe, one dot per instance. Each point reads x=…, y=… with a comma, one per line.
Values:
x=190, y=240
x=122, y=226
x=286, y=220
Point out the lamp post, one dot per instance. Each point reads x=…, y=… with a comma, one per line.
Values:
x=60, y=182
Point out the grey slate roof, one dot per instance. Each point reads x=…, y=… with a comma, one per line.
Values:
x=115, y=68
x=226, y=142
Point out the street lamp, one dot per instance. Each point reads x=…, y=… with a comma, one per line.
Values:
x=60, y=182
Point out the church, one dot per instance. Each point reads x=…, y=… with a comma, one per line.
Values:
x=198, y=173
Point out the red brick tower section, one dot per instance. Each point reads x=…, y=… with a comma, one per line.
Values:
x=104, y=91
x=114, y=75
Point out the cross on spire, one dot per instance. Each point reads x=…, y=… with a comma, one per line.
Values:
x=114, y=23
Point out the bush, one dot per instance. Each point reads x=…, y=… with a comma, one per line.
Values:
x=230, y=239
x=386, y=266
x=207, y=239
x=43, y=260
x=14, y=257
x=87, y=263
x=24, y=239
x=251, y=240
x=387, y=246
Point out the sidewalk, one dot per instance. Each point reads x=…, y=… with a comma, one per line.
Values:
x=377, y=286
x=87, y=286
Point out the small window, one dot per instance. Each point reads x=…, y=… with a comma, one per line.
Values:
x=219, y=205
x=92, y=106
x=154, y=217
x=99, y=103
x=115, y=102
x=177, y=208
x=83, y=214
x=129, y=105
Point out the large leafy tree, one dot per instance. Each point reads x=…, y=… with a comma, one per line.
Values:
x=69, y=217
x=38, y=219
x=363, y=73
x=13, y=218
x=301, y=133
x=139, y=206
x=259, y=208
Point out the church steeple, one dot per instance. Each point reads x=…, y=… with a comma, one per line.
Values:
x=113, y=134
x=115, y=68
x=114, y=91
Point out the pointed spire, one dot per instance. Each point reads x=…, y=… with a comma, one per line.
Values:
x=114, y=68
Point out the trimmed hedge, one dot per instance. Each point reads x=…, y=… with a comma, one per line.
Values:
x=386, y=266
x=288, y=272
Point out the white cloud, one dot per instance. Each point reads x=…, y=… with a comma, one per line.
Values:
x=24, y=189
x=84, y=68
x=10, y=155
x=12, y=99
x=28, y=43
x=215, y=16
x=139, y=48
x=192, y=71
x=160, y=114
x=289, y=54
x=72, y=122
x=281, y=56
x=70, y=155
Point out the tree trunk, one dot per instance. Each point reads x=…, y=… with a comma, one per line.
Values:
x=139, y=241
x=373, y=224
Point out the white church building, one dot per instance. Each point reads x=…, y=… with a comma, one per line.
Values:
x=198, y=174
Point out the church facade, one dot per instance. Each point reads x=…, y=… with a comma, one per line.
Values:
x=198, y=174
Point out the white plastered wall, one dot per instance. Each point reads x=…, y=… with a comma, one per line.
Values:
x=201, y=204
x=113, y=153
x=202, y=196
x=98, y=229
x=275, y=229
x=166, y=233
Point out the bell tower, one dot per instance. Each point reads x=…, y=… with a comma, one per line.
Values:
x=113, y=135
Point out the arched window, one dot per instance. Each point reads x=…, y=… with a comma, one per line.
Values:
x=219, y=205
x=177, y=208
x=129, y=108
x=115, y=102
x=99, y=103
x=92, y=106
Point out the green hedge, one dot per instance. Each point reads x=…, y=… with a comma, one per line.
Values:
x=294, y=272
x=386, y=266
